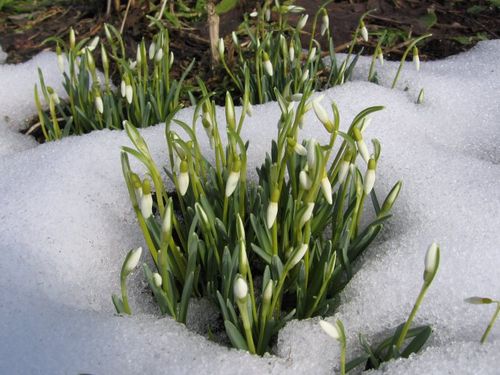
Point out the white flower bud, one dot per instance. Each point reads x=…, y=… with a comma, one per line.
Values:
x=305, y=76
x=312, y=55
x=183, y=178
x=254, y=14
x=132, y=260
x=60, y=61
x=232, y=182
x=306, y=216
x=272, y=212
x=363, y=150
x=325, y=23
x=326, y=188
x=152, y=50
x=268, y=292
x=99, y=104
x=171, y=60
x=240, y=289
x=235, y=38
x=291, y=52
x=157, y=280
x=72, y=38
x=479, y=300
x=380, y=56
x=123, y=88
x=431, y=262
x=202, y=214
x=268, y=14
x=343, y=169
x=243, y=259
x=159, y=55
x=129, y=92
x=229, y=108
x=364, y=32
x=322, y=116
x=305, y=180
x=55, y=97
x=138, y=55
x=93, y=43
x=299, y=149
x=146, y=205
x=370, y=177
x=221, y=47
x=330, y=330
x=311, y=153
x=166, y=225
x=302, y=22
x=416, y=58
x=268, y=66
x=420, y=98
x=299, y=255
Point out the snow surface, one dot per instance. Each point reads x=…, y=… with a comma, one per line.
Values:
x=66, y=225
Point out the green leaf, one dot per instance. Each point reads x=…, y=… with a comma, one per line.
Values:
x=117, y=301
x=429, y=19
x=421, y=336
x=225, y=6
x=187, y=291
x=235, y=336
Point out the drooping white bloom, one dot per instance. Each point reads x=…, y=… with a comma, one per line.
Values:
x=240, y=289
x=291, y=52
x=330, y=330
x=123, y=88
x=72, y=38
x=305, y=76
x=171, y=59
x=146, y=205
x=235, y=39
x=157, y=280
x=232, y=182
x=299, y=255
x=166, y=225
x=311, y=153
x=304, y=180
x=306, y=216
x=272, y=212
x=326, y=188
x=312, y=54
x=416, y=58
x=129, y=93
x=254, y=14
x=152, y=50
x=183, y=178
x=221, y=47
x=268, y=292
x=370, y=177
x=343, y=169
x=364, y=32
x=325, y=23
x=322, y=115
x=268, y=66
x=132, y=260
x=138, y=55
x=299, y=149
x=99, y=104
x=363, y=150
x=478, y=300
x=229, y=108
x=431, y=262
x=302, y=21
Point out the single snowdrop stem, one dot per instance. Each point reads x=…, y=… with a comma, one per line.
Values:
x=337, y=332
x=131, y=261
x=486, y=301
x=431, y=267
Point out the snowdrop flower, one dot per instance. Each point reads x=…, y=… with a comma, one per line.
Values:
x=243, y=259
x=344, y=167
x=364, y=32
x=292, y=9
x=107, y=32
x=325, y=23
x=132, y=64
x=152, y=50
x=370, y=176
x=330, y=329
x=159, y=55
x=307, y=215
x=363, y=150
x=235, y=39
x=166, y=225
x=99, y=104
x=201, y=214
x=302, y=22
x=431, y=263
x=129, y=92
x=291, y=52
x=72, y=38
x=240, y=289
x=123, y=88
x=254, y=14
x=93, y=44
x=268, y=66
x=268, y=292
x=157, y=280
x=380, y=56
x=299, y=255
x=304, y=180
x=240, y=228
x=296, y=146
x=272, y=208
x=326, y=188
x=138, y=55
x=229, y=108
x=312, y=55
x=234, y=177
x=391, y=197
x=249, y=109
x=322, y=116
x=183, y=179
x=305, y=76
x=221, y=48
x=416, y=58
x=146, y=202
x=132, y=260
x=60, y=59
x=171, y=59
x=478, y=300
x=311, y=153
x=268, y=14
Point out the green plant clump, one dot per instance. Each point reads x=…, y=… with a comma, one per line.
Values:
x=263, y=252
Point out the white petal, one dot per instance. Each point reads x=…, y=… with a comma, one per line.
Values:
x=272, y=212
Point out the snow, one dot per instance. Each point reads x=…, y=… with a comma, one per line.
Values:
x=66, y=225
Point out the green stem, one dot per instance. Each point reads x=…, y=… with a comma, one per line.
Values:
x=490, y=326
x=406, y=327
x=403, y=59
x=126, y=307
